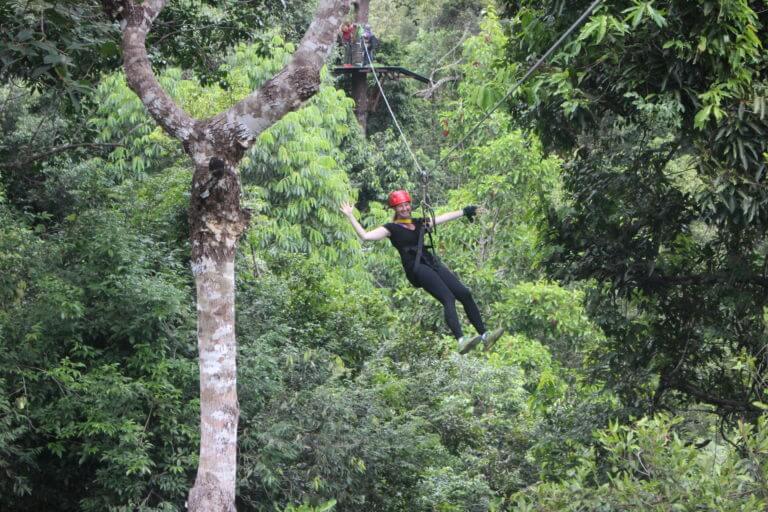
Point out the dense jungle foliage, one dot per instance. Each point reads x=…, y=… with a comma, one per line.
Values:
x=623, y=248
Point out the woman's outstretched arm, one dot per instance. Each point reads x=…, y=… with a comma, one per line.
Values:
x=445, y=217
x=468, y=211
x=375, y=234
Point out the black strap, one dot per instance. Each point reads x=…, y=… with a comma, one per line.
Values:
x=431, y=246
x=419, y=248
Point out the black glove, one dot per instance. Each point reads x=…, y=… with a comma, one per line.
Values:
x=469, y=212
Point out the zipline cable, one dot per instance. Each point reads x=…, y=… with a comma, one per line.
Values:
x=525, y=77
x=391, y=113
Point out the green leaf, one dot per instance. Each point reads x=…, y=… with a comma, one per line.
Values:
x=702, y=46
x=54, y=58
x=635, y=14
x=657, y=16
x=702, y=116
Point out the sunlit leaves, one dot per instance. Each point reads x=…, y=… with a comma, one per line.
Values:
x=595, y=30
x=299, y=168
x=640, y=10
x=651, y=466
x=122, y=119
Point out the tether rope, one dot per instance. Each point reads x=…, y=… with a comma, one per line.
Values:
x=389, y=108
x=426, y=207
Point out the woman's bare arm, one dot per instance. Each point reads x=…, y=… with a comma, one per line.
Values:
x=375, y=234
x=445, y=217
x=467, y=211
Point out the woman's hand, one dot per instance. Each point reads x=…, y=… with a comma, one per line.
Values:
x=347, y=209
x=375, y=234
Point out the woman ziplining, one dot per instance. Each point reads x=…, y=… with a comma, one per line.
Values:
x=424, y=270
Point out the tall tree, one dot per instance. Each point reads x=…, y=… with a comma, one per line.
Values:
x=661, y=109
x=216, y=218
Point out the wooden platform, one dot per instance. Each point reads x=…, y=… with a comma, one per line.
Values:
x=391, y=72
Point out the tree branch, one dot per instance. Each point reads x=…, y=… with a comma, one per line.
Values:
x=242, y=123
x=723, y=403
x=18, y=164
x=432, y=89
x=136, y=23
x=292, y=86
x=705, y=279
x=461, y=40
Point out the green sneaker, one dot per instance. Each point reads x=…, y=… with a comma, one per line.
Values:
x=489, y=338
x=465, y=345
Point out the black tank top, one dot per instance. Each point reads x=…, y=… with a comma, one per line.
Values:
x=406, y=242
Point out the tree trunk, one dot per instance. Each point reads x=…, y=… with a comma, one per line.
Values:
x=360, y=94
x=216, y=222
x=362, y=8
x=360, y=80
x=214, y=488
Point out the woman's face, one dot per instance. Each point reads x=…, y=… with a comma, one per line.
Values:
x=403, y=210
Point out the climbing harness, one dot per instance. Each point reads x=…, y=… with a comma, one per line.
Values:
x=420, y=248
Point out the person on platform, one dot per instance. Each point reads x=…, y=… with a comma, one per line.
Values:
x=347, y=34
x=370, y=44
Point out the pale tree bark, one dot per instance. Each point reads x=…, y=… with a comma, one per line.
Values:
x=216, y=218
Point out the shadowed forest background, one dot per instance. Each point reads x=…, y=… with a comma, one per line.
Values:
x=623, y=249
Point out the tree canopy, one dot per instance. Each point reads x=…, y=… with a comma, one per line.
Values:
x=622, y=248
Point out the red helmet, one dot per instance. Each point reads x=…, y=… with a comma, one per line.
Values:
x=399, y=197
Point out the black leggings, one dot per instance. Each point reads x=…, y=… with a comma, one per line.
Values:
x=443, y=285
